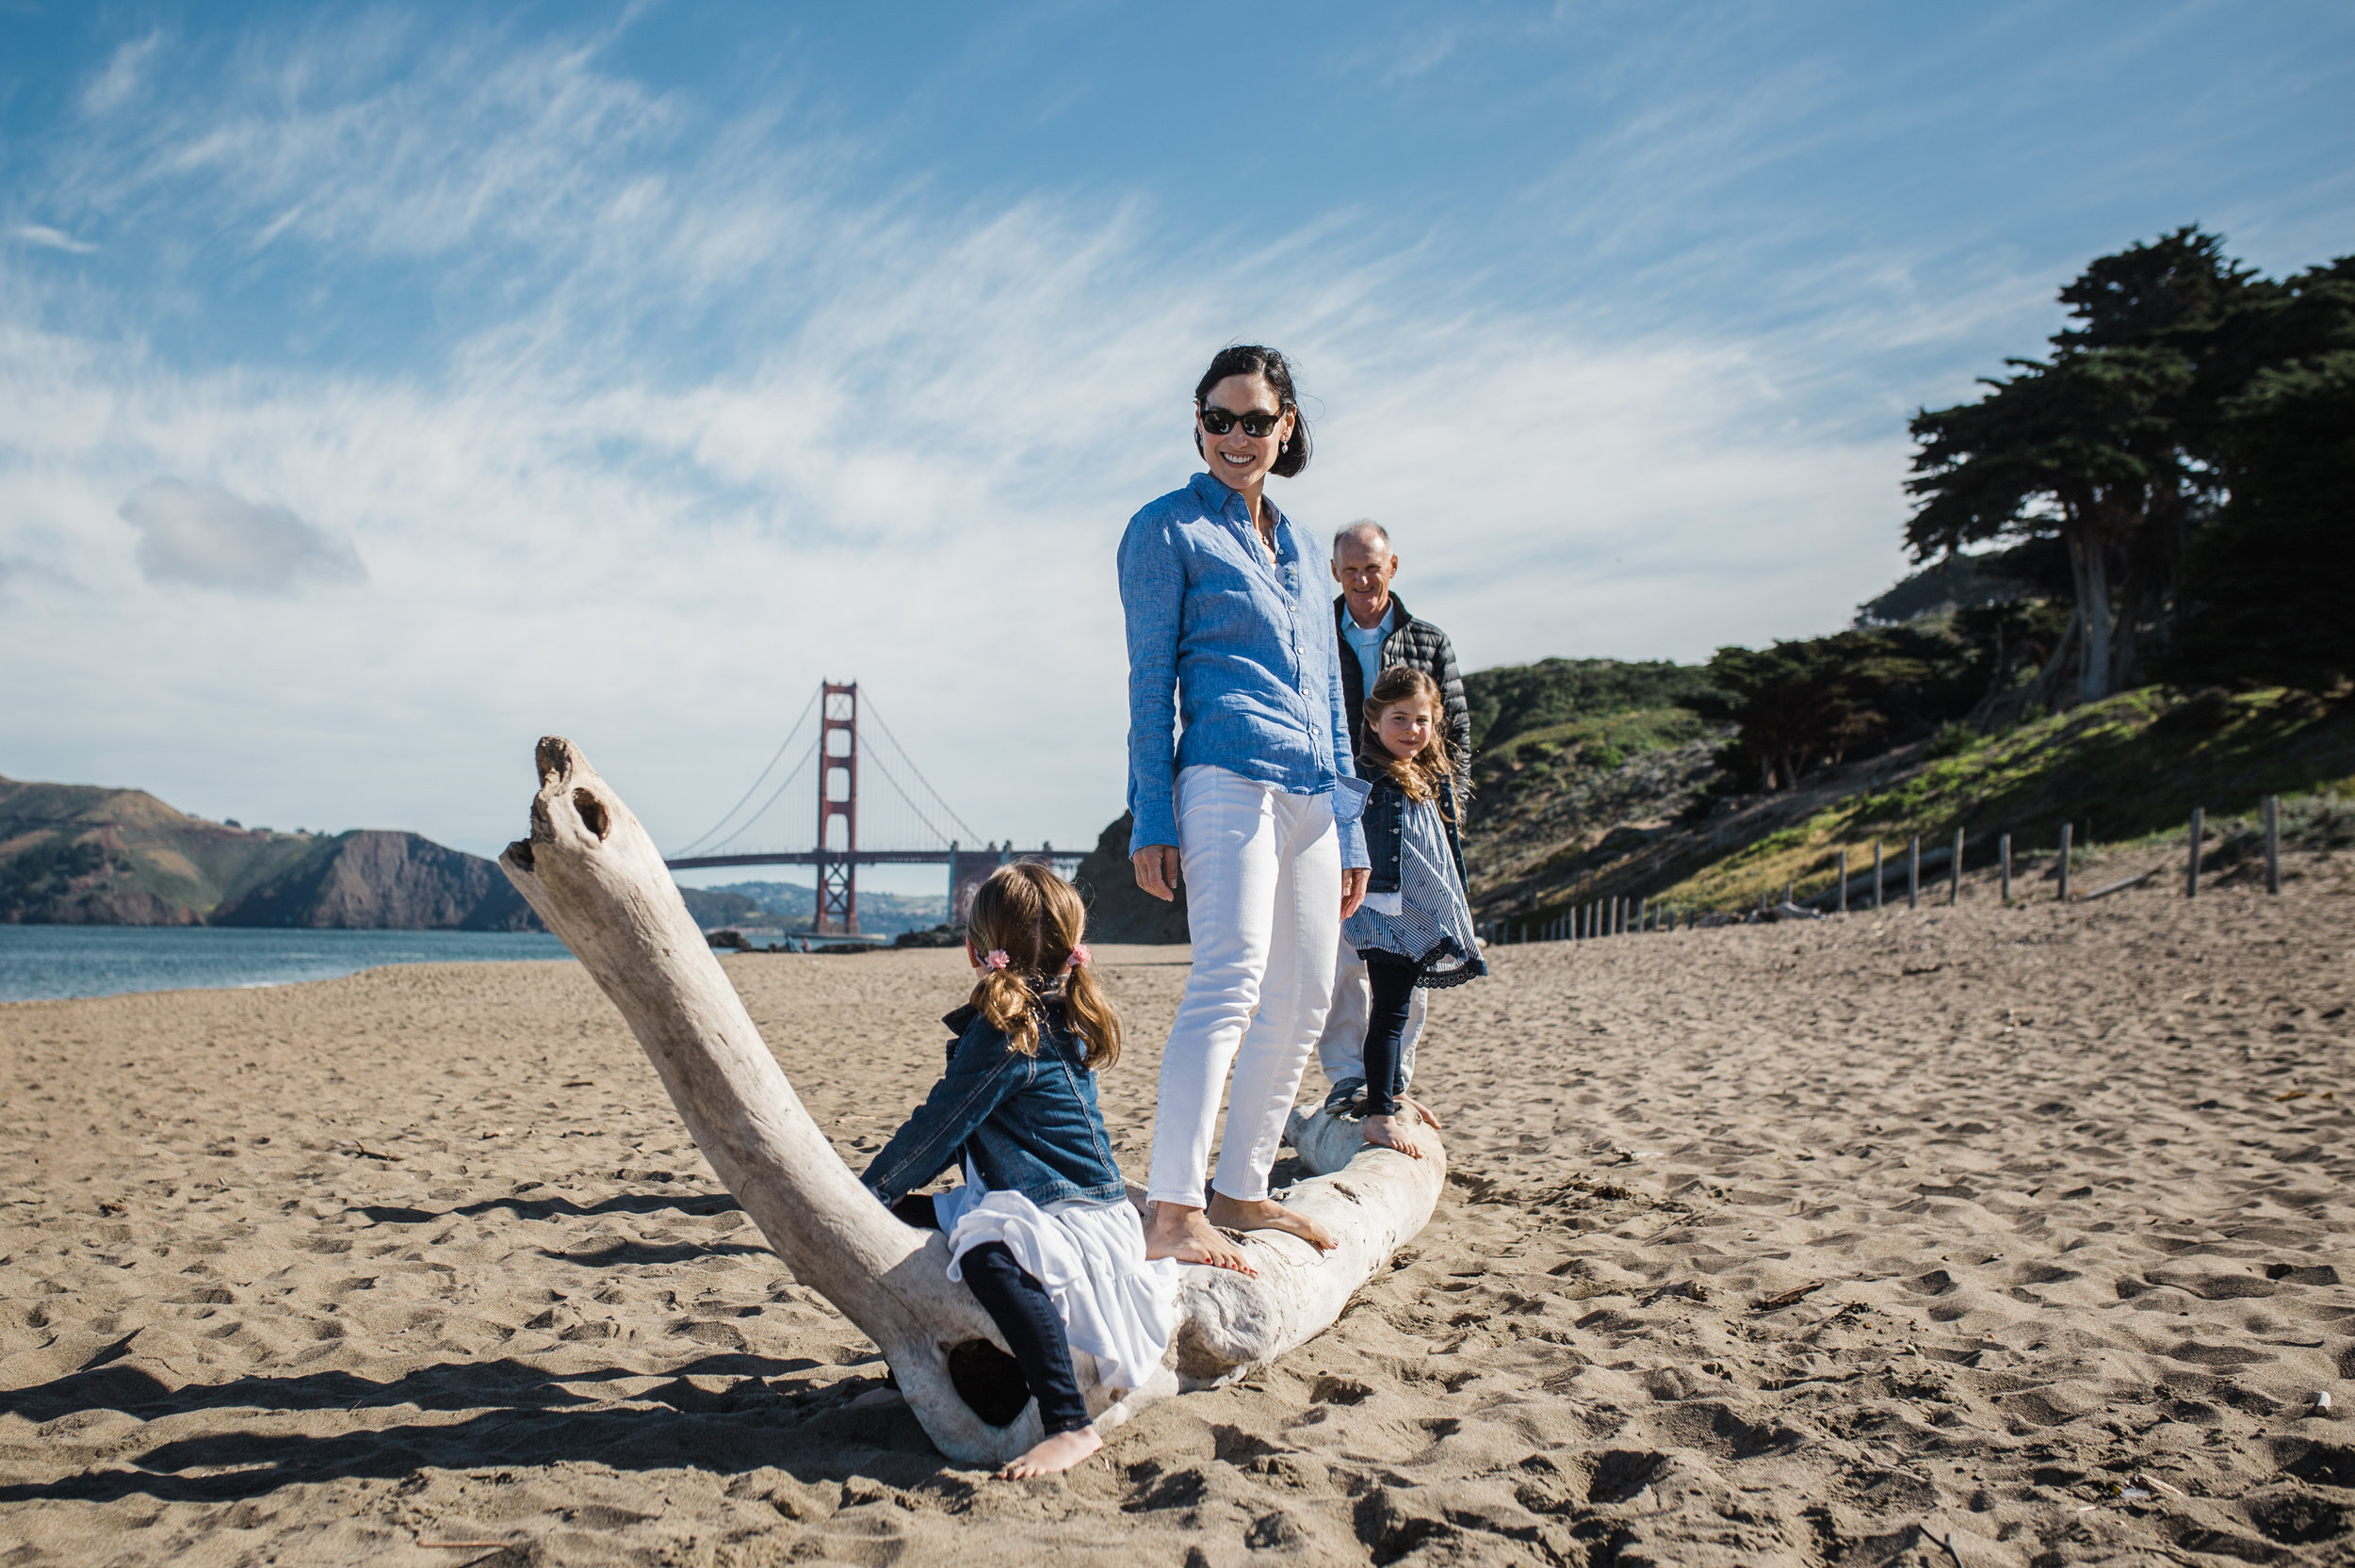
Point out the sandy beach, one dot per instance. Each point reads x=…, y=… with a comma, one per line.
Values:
x=1953, y=1236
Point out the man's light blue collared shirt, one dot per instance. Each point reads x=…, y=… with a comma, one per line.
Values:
x=1366, y=645
x=1237, y=645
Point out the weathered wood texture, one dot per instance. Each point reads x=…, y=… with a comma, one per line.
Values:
x=595, y=875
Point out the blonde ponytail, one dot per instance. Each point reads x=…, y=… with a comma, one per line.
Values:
x=1005, y=1001
x=1035, y=920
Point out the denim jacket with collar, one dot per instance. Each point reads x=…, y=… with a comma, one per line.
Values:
x=1245, y=642
x=1029, y=1124
x=1384, y=822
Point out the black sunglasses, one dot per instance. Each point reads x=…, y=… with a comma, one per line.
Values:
x=1255, y=424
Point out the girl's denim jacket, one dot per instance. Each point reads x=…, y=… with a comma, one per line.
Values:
x=1384, y=822
x=1030, y=1125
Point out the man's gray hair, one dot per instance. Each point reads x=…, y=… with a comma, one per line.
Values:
x=1363, y=526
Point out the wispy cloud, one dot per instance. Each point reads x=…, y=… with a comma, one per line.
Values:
x=123, y=77
x=51, y=239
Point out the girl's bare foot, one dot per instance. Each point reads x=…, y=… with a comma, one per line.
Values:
x=1057, y=1453
x=1266, y=1214
x=1181, y=1231
x=1388, y=1132
x=1423, y=1110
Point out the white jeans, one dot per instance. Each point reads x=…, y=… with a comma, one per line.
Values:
x=1264, y=905
x=1342, y=1049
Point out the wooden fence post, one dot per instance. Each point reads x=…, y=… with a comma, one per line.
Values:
x=2002, y=852
x=1877, y=875
x=1843, y=880
x=1953, y=872
x=2191, y=865
x=2063, y=895
x=1913, y=873
x=2273, y=843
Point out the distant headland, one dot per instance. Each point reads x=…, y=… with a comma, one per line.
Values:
x=82, y=854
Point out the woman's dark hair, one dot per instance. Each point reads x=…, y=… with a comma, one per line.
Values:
x=1256, y=358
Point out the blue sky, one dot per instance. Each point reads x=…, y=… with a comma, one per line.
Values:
x=380, y=387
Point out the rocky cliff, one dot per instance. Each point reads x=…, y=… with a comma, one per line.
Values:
x=370, y=880
x=79, y=854
x=1118, y=910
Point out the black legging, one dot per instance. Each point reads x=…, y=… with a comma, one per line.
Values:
x=1024, y=1313
x=1394, y=985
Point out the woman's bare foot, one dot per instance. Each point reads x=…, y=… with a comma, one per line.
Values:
x=1182, y=1232
x=1388, y=1132
x=1057, y=1453
x=1423, y=1110
x=1267, y=1215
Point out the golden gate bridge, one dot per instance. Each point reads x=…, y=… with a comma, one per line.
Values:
x=906, y=831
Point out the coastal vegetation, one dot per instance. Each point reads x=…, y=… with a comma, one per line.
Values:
x=2136, y=595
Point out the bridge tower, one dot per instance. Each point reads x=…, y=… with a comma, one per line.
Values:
x=837, y=797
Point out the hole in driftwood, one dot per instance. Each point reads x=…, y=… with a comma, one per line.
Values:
x=988, y=1380
x=520, y=852
x=593, y=814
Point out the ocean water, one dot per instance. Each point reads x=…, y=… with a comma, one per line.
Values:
x=104, y=961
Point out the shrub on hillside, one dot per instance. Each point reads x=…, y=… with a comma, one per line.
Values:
x=1516, y=698
x=1811, y=703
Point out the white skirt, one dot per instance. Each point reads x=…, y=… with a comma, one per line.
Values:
x=1116, y=1307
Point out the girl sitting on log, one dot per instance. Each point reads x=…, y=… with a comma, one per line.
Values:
x=1041, y=1231
x=1415, y=929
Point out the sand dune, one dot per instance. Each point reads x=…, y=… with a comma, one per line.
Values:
x=1974, y=1236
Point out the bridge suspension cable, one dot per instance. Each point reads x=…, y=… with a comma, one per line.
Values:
x=789, y=735
x=809, y=754
x=965, y=827
x=867, y=837
x=934, y=828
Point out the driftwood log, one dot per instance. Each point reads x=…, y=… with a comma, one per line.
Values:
x=595, y=877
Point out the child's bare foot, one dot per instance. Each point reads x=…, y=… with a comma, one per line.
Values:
x=1388, y=1132
x=1424, y=1111
x=1057, y=1453
x=1181, y=1231
x=1266, y=1214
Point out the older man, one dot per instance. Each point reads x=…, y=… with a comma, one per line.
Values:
x=1376, y=632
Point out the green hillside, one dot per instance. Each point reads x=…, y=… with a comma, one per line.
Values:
x=78, y=854
x=84, y=854
x=2128, y=767
x=1513, y=700
x=1568, y=752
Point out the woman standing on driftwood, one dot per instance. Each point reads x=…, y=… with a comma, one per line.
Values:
x=1229, y=629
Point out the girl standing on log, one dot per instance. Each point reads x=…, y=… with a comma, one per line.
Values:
x=1041, y=1231
x=1415, y=927
x=1229, y=629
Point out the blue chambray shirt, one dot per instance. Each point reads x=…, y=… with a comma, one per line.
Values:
x=1246, y=644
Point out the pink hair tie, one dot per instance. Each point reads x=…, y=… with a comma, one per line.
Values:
x=1080, y=955
x=995, y=959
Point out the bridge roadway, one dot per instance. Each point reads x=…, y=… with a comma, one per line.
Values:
x=877, y=857
x=967, y=867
